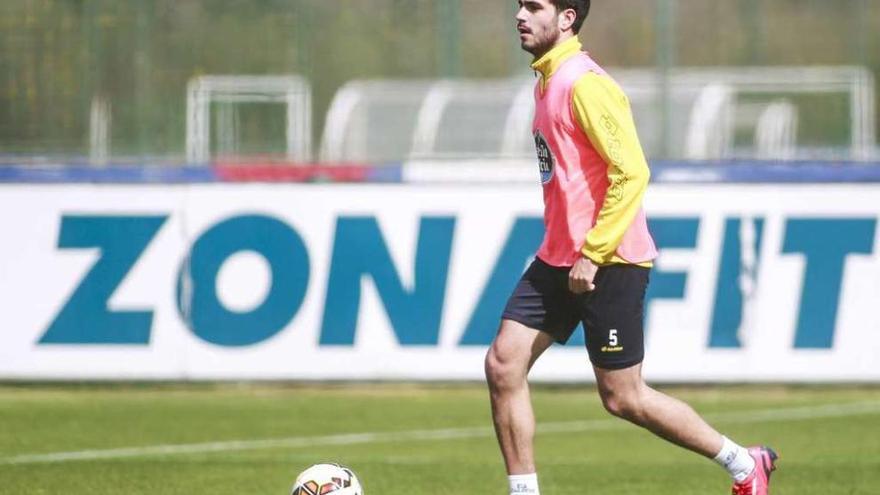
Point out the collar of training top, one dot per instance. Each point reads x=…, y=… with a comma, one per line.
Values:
x=550, y=61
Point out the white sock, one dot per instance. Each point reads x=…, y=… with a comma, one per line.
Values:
x=736, y=460
x=524, y=484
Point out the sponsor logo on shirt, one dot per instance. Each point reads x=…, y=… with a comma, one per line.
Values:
x=546, y=162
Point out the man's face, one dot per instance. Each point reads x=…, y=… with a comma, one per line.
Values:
x=538, y=24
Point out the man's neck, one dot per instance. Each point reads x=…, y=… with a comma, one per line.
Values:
x=565, y=36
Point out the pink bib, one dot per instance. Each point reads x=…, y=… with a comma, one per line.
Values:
x=574, y=175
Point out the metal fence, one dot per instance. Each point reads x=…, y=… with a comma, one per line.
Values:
x=106, y=80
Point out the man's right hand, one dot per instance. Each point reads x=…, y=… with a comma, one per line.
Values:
x=580, y=278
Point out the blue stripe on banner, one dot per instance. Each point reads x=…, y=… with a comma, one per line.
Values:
x=153, y=174
x=663, y=171
x=112, y=175
x=391, y=172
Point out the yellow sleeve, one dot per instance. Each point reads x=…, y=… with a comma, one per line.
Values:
x=604, y=114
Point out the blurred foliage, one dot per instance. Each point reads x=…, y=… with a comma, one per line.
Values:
x=57, y=55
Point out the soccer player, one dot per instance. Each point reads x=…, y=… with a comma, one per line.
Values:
x=593, y=264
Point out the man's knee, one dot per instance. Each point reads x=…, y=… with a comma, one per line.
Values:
x=624, y=403
x=502, y=371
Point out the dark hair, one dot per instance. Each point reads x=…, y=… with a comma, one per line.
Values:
x=581, y=8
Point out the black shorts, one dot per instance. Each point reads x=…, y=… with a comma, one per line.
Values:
x=612, y=314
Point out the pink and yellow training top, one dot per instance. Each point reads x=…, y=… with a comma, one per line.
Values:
x=593, y=170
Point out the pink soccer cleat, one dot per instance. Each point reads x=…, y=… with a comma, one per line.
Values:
x=758, y=483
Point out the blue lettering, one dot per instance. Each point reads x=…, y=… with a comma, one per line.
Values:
x=197, y=299
x=521, y=245
x=825, y=243
x=360, y=250
x=523, y=241
x=85, y=318
x=670, y=233
x=728, y=312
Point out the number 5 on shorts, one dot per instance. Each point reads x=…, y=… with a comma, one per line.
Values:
x=612, y=337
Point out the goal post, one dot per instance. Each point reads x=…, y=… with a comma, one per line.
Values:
x=291, y=90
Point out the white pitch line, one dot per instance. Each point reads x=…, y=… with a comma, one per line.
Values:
x=754, y=416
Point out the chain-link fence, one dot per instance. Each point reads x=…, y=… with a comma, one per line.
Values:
x=106, y=80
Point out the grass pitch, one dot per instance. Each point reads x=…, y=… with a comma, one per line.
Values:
x=411, y=440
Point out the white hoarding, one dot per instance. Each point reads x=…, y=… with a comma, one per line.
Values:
x=754, y=283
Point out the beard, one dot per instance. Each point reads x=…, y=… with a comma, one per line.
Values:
x=540, y=43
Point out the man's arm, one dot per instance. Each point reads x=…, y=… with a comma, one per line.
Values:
x=604, y=114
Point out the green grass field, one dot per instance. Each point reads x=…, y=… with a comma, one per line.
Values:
x=410, y=439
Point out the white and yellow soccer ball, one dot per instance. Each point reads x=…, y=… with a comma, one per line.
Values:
x=327, y=479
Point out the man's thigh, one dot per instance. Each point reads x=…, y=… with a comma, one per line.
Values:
x=541, y=300
x=613, y=317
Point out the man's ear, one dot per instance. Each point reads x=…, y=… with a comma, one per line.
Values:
x=566, y=19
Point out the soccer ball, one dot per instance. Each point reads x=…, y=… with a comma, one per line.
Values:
x=324, y=479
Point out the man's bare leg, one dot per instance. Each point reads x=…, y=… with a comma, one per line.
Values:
x=626, y=395
x=511, y=356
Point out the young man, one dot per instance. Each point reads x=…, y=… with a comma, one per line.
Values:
x=594, y=262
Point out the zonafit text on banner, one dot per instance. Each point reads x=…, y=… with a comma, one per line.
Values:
x=316, y=282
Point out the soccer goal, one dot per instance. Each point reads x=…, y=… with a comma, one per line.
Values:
x=227, y=94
